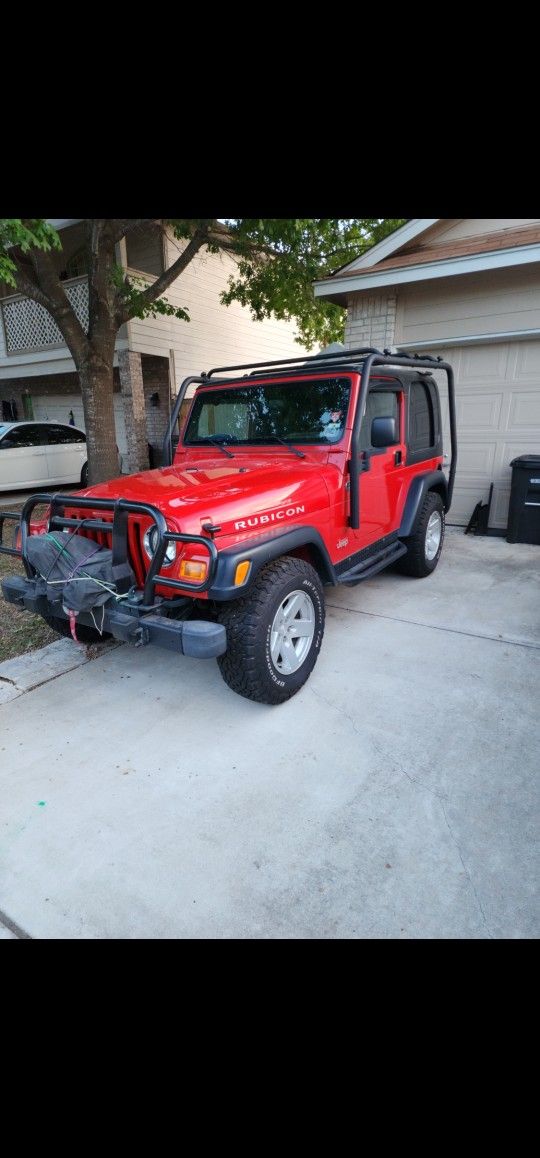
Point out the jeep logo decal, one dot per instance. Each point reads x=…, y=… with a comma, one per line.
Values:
x=261, y=520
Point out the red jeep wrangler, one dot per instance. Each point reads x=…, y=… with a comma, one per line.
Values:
x=301, y=473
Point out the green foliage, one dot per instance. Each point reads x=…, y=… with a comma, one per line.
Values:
x=130, y=291
x=35, y=233
x=278, y=260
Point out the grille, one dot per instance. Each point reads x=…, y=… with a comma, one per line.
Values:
x=104, y=539
x=136, y=529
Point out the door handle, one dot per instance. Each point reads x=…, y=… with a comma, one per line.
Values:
x=397, y=457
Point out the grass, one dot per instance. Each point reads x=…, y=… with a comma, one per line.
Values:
x=20, y=631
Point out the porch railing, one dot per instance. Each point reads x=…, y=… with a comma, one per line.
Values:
x=28, y=326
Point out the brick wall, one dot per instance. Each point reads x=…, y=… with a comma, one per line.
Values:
x=155, y=372
x=371, y=320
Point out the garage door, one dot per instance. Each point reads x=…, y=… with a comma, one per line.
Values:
x=498, y=418
x=56, y=408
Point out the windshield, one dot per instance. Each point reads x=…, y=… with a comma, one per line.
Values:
x=309, y=411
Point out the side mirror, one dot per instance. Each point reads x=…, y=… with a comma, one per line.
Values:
x=383, y=432
x=6, y=444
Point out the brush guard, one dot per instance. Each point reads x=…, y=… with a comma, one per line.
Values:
x=141, y=616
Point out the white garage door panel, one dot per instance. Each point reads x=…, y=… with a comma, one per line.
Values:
x=525, y=409
x=484, y=364
x=56, y=408
x=476, y=459
x=479, y=411
x=463, y=503
x=498, y=419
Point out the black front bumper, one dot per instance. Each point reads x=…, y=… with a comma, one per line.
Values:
x=193, y=637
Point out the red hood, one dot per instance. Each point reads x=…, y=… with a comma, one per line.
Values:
x=225, y=492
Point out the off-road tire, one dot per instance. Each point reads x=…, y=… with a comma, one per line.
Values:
x=247, y=666
x=84, y=634
x=416, y=561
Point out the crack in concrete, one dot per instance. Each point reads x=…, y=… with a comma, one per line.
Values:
x=336, y=708
x=5, y=680
x=467, y=873
x=437, y=627
x=420, y=783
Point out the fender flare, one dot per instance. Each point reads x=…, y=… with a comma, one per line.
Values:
x=262, y=551
x=435, y=480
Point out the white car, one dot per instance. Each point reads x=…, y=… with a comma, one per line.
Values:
x=35, y=454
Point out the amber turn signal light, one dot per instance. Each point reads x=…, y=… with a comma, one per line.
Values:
x=240, y=574
x=190, y=569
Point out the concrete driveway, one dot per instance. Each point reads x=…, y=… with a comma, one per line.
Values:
x=394, y=797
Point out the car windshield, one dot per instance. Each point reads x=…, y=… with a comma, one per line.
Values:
x=2, y=430
x=312, y=411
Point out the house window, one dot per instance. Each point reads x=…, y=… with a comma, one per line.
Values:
x=144, y=250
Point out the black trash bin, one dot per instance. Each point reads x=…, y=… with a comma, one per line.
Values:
x=524, y=511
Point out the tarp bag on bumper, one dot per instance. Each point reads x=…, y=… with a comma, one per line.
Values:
x=77, y=571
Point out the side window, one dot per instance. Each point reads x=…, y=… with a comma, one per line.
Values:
x=380, y=404
x=27, y=436
x=63, y=434
x=421, y=418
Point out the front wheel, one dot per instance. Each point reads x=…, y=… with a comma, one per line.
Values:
x=84, y=475
x=275, y=633
x=424, y=546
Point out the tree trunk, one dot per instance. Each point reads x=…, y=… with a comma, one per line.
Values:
x=96, y=378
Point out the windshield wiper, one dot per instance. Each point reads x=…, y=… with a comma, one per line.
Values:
x=293, y=449
x=216, y=442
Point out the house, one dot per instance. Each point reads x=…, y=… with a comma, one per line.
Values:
x=152, y=356
x=469, y=290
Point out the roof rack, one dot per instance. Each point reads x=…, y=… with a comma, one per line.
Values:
x=338, y=356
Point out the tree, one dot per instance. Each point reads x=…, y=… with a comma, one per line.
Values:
x=277, y=261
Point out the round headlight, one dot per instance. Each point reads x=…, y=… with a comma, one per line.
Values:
x=150, y=542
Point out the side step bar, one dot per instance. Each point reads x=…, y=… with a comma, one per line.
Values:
x=372, y=565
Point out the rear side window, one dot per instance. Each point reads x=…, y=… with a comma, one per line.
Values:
x=421, y=418
x=63, y=434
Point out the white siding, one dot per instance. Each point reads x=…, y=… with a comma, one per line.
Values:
x=216, y=335
x=56, y=361
x=482, y=303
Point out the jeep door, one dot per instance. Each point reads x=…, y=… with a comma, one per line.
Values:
x=382, y=468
